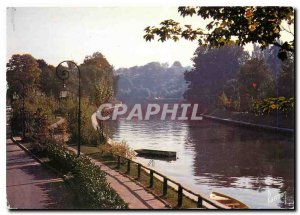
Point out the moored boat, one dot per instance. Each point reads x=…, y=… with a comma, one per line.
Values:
x=228, y=201
x=155, y=153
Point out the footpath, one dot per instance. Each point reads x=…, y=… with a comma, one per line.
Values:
x=29, y=185
x=134, y=194
x=131, y=192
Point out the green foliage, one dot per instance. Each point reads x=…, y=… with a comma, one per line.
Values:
x=237, y=80
x=89, y=181
x=213, y=68
x=231, y=25
x=35, y=100
x=88, y=135
x=25, y=77
x=98, y=80
x=255, y=79
x=22, y=69
x=98, y=84
x=39, y=110
x=271, y=105
x=103, y=91
x=49, y=83
x=37, y=82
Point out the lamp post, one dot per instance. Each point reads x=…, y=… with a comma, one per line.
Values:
x=63, y=71
x=23, y=108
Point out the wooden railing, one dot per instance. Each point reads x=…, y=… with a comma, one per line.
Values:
x=202, y=201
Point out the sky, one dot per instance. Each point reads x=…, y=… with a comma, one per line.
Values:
x=58, y=34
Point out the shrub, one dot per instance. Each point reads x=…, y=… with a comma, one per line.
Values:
x=88, y=134
x=88, y=180
x=118, y=148
x=38, y=112
x=270, y=105
x=223, y=100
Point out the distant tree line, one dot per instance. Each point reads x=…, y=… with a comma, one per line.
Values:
x=150, y=81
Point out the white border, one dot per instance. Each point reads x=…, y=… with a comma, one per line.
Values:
x=98, y=3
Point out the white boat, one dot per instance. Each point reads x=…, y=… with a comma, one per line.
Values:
x=228, y=201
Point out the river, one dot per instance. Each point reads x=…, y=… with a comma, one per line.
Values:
x=256, y=167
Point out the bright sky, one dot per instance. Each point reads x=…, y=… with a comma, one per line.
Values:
x=57, y=34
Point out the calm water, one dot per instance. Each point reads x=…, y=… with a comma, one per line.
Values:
x=255, y=167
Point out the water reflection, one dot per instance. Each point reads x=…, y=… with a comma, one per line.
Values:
x=255, y=167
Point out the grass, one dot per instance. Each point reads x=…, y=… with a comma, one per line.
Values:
x=111, y=161
x=96, y=153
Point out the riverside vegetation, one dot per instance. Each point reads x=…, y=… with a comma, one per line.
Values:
x=35, y=81
x=85, y=178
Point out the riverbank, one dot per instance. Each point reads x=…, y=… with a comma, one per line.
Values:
x=280, y=124
x=133, y=194
x=170, y=197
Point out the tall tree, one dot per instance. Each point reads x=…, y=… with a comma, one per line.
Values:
x=255, y=79
x=286, y=79
x=49, y=83
x=231, y=25
x=24, y=68
x=98, y=79
x=212, y=69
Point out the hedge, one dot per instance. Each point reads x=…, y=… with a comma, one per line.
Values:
x=89, y=181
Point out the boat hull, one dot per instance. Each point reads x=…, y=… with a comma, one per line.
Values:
x=228, y=201
x=155, y=153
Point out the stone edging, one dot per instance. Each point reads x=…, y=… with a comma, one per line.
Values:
x=249, y=125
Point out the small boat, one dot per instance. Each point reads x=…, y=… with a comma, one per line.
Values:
x=155, y=153
x=228, y=201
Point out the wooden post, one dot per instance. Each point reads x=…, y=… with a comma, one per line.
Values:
x=200, y=202
x=119, y=162
x=151, y=179
x=165, y=186
x=139, y=171
x=128, y=166
x=180, y=193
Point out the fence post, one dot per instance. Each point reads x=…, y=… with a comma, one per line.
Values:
x=200, y=202
x=151, y=179
x=165, y=186
x=119, y=162
x=139, y=172
x=179, y=196
x=128, y=167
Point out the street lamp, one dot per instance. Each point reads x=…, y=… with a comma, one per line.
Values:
x=23, y=106
x=63, y=93
x=63, y=71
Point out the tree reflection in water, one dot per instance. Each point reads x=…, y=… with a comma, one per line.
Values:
x=229, y=156
x=251, y=165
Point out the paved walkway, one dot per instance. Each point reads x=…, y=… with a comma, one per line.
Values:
x=56, y=124
x=132, y=193
x=31, y=186
x=24, y=189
